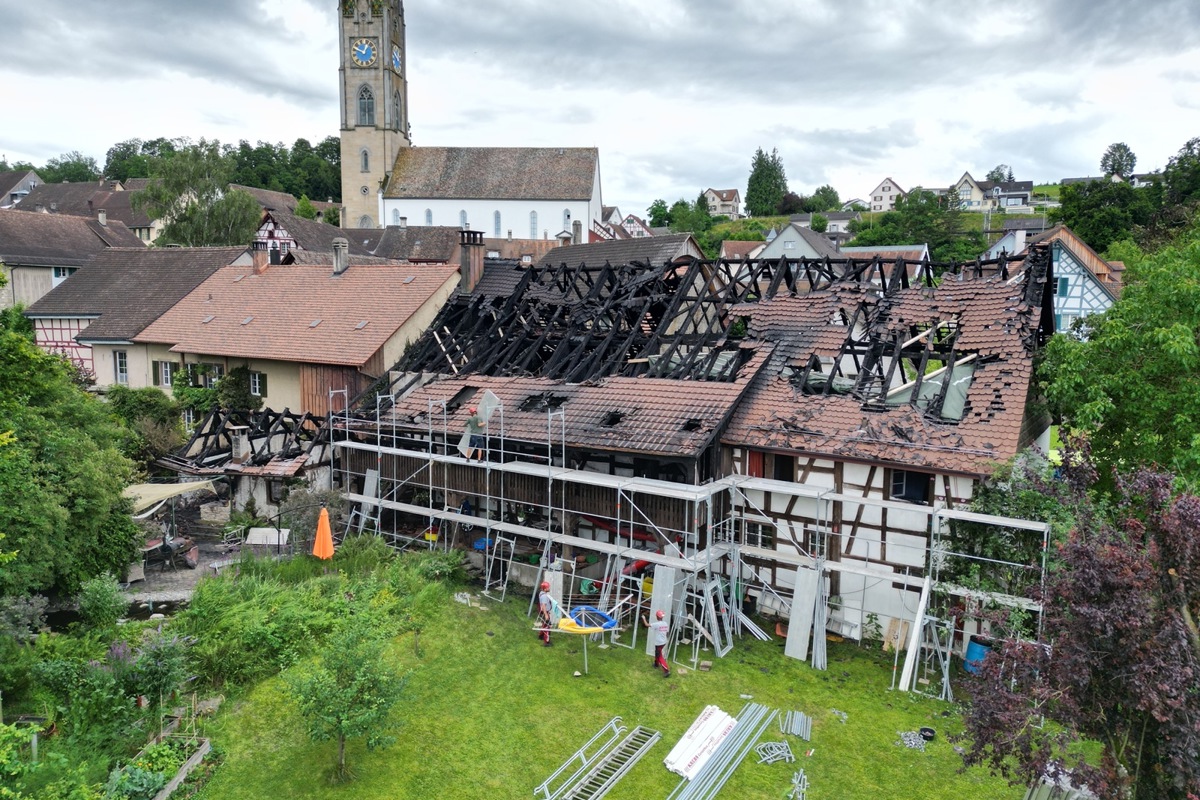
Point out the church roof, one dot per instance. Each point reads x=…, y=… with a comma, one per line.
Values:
x=645, y=250
x=494, y=173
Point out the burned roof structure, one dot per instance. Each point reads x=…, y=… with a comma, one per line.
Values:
x=861, y=359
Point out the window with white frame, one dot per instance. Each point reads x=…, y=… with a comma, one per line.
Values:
x=258, y=384
x=496, y=224
x=121, y=367
x=462, y=219
x=395, y=216
x=429, y=216
x=163, y=373
x=566, y=219
x=61, y=274
x=533, y=228
x=759, y=533
x=915, y=487
x=789, y=245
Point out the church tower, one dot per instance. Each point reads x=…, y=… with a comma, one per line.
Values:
x=374, y=103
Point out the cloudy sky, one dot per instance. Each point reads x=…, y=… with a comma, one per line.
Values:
x=677, y=94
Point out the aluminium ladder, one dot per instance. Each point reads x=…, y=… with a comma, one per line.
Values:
x=605, y=774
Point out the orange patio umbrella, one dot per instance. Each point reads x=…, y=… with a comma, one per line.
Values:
x=323, y=546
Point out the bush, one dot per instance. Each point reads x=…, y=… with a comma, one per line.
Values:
x=131, y=782
x=102, y=602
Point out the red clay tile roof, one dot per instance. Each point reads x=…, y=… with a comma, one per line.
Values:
x=1107, y=273
x=644, y=415
x=494, y=173
x=281, y=303
x=992, y=322
x=731, y=248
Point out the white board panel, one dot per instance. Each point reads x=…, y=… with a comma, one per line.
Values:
x=800, y=622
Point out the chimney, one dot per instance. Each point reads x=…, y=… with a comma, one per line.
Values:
x=510, y=234
x=102, y=216
x=259, y=261
x=403, y=223
x=39, y=208
x=470, y=257
x=577, y=232
x=341, y=255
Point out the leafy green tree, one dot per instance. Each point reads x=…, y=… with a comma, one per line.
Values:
x=153, y=417
x=826, y=198
x=305, y=209
x=791, y=203
x=72, y=167
x=999, y=173
x=921, y=217
x=1182, y=174
x=1118, y=160
x=1103, y=212
x=126, y=160
x=350, y=689
x=332, y=217
x=1132, y=388
x=767, y=184
x=61, y=476
x=819, y=223
x=191, y=193
x=660, y=215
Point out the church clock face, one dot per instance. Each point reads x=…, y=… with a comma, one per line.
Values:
x=364, y=52
x=396, y=58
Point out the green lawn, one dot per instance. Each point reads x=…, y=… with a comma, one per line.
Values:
x=490, y=713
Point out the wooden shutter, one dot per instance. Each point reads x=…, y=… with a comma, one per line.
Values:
x=155, y=372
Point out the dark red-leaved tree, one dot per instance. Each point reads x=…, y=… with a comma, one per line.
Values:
x=1120, y=663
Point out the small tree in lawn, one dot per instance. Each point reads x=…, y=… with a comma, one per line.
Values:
x=349, y=691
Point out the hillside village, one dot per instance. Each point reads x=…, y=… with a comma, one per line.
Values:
x=900, y=419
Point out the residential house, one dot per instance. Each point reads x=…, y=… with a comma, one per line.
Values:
x=40, y=251
x=637, y=228
x=856, y=204
x=90, y=198
x=281, y=231
x=724, y=202
x=796, y=241
x=1141, y=180
x=837, y=227
x=93, y=317
x=653, y=250
x=1083, y=283
x=914, y=253
x=733, y=250
x=303, y=330
x=976, y=195
x=884, y=196
x=542, y=191
x=15, y=186
x=789, y=425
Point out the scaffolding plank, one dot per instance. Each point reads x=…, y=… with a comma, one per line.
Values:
x=801, y=620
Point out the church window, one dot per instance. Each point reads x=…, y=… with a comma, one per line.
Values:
x=462, y=219
x=496, y=224
x=397, y=121
x=365, y=158
x=395, y=216
x=532, y=224
x=429, y=216
x=366, y=106
x=364, y=221
x=566, y=219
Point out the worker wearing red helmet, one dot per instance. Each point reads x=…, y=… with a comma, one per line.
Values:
x=659, y=631
x=545, y=613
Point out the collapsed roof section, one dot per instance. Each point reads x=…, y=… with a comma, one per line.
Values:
x=273, y=444
x=861, y=359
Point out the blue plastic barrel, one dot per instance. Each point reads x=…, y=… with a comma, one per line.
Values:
x=976, y=652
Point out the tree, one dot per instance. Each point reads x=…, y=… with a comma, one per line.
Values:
x=191, y=193
x=660, y=215
x=1133, y=386
x=1103, y=212
x=72, y=167
x=819, y=223
x=790, y=203
x=1181, y=176
x=1120, y=656
x=1118, y=160
x=825, y=198
x=921, y=217
x=61, y=476
x=767, y=184
x=126, y=160
x=999, y=173
x=305, y=209
x=349, y=691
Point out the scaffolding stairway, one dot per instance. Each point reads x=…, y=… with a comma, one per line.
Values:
x=600, y=770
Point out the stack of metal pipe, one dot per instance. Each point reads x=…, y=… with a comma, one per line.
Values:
x=752, y=721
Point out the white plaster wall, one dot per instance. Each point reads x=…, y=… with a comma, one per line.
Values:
x=514, y=214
